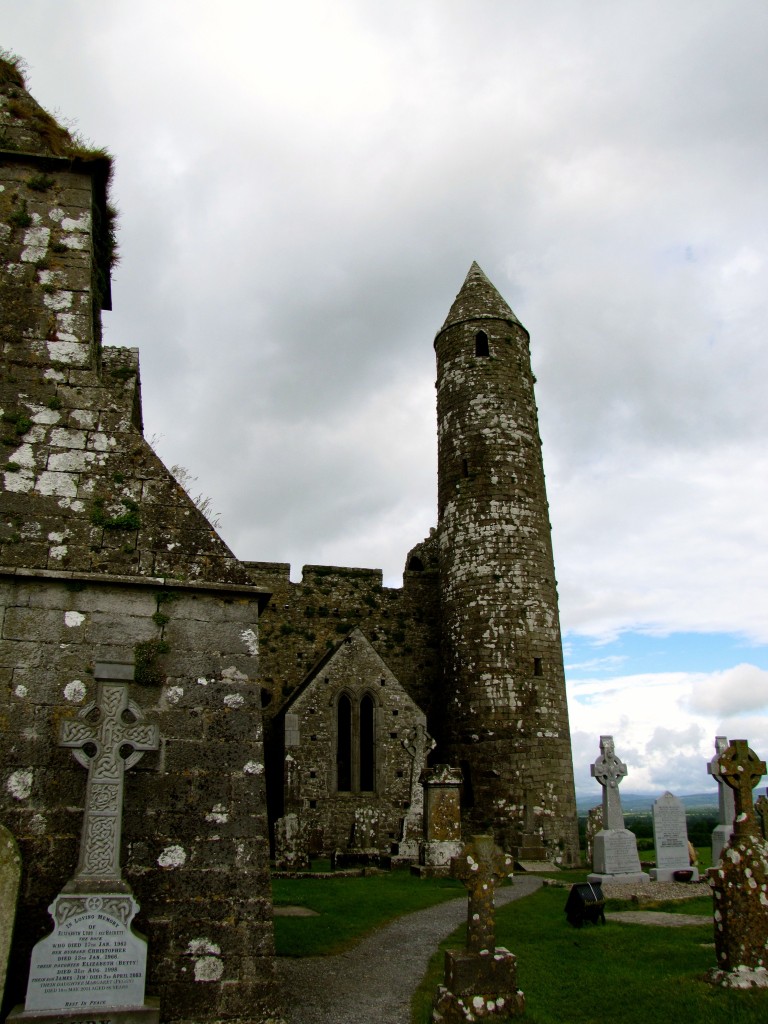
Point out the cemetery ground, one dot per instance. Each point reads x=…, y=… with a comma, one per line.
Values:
x=645, y=974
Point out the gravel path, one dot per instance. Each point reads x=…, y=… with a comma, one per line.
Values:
x=373, y=982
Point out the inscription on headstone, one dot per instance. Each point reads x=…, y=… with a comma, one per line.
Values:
x=91, y=960
x=670, y=836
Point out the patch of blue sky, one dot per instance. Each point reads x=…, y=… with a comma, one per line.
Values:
x=634, y=653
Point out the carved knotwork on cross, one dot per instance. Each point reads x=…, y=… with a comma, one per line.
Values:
x=108, y=737
x=609, y=771
x=480, y=866
x=742, y=769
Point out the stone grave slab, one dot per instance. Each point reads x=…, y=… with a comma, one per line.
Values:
x=92, y=959
x=670, y=836
x=10, y=874
x=442, y=820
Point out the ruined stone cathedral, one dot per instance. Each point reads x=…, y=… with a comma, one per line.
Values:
x=271, y=697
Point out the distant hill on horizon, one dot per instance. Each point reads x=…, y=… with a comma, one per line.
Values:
x=638, y=803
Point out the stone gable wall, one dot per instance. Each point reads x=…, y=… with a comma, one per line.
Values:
x=310, y=749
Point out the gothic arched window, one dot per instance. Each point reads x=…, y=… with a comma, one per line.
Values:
x=356, y=744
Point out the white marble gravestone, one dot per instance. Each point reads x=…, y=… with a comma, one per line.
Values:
x=615, y=855
x=670, y=837
x=93, y=965
x=721, y=833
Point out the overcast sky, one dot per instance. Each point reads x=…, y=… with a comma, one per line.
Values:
x=303, y=187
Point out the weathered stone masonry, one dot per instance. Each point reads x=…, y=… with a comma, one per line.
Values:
x=506, y=719
x=104, y=557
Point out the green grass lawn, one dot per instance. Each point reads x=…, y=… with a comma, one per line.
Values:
x=349, y=908
x=632, y=974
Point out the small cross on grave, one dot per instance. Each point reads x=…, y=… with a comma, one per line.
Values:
x=480, y=866
x=609, y=771
x=108, y=737
x=481, y=980
x=742, y=769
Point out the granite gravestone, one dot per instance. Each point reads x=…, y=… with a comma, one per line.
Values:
x=442, y=820
x=615, y=847
x=93, y=962
x=10, y=873
x=740, y=880
x=670, y=837
x=291, y=849
x=480, y=981
x=726, y=806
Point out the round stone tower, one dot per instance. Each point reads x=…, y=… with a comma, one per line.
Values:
x=504, y=717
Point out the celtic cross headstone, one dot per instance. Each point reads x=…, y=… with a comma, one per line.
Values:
x=614, y=847
x=609, y=771
x=93, y=962
x=102, y=730
x=740, y=880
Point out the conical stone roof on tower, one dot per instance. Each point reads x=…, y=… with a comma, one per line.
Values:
x=505, y=719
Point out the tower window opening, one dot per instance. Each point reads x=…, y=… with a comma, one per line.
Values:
x=538, y=667
x=464, y=468
x=481, y=344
